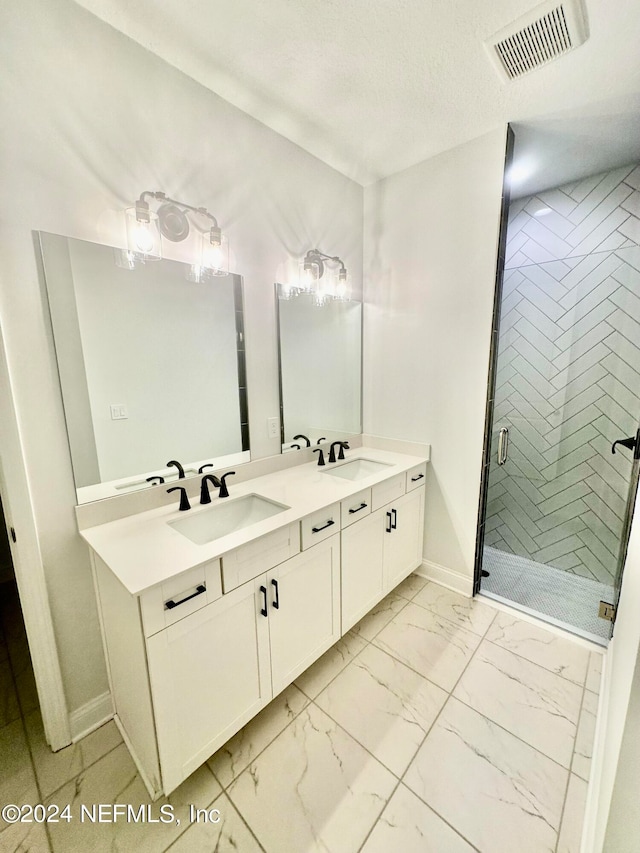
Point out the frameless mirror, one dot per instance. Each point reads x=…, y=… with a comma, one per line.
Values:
x=151, y=367
x=320, y=368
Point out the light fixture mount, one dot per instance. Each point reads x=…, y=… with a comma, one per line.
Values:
x=173, y=221
x=316, y=258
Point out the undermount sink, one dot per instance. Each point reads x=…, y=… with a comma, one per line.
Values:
x=358, y=469
x=226, y=517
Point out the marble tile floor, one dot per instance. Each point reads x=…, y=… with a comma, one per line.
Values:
x=437, y=725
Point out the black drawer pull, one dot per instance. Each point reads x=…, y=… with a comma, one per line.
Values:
x=276, y=603
x=394, y=523
x=169, y=605
x=358, y=508
x=324, y=526
x=388, y=528
x=419, y=477
x=263, y=590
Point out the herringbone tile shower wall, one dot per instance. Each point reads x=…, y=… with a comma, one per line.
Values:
x=568, y=380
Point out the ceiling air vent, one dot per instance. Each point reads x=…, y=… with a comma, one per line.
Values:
x=539, y=37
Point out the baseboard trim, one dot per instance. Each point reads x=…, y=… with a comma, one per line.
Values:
x=446, y=577
x=90, y=716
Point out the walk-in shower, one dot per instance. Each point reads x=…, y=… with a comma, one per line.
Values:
x=567, y=385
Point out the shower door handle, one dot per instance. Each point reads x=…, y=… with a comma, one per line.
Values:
x=632, y=443
x=503, y=445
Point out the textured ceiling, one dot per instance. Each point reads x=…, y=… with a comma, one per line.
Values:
x=374, y=86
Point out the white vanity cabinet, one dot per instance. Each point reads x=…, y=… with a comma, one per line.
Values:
x=404, y=524
x=307, y=621
x=193, y=657
x=209, y=674
x=214, y=670
x=380, y=550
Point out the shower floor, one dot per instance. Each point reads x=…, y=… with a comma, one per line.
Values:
x=565, y=599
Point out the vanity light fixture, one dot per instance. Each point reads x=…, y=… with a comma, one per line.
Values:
x=316, y=279
x=145, y=228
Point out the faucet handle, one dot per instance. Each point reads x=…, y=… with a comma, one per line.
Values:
x=205, y=497
x=157, y=478
x=344, y=445
x=224, y=491
x=321, y=456
x=208, y=465
x=184, y=500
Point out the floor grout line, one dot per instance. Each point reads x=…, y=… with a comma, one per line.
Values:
x=573, y=753
x=435, y=721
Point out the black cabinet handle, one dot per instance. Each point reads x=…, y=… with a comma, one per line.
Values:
x=358, y=508
x=276, y=603
x=324, y=526
x=169, y=605
x=415, y=479
x=388, y=528
x=263, y=590
x=394, y=523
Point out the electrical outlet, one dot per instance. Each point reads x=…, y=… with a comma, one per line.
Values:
x=273, y=427
x=118, y=412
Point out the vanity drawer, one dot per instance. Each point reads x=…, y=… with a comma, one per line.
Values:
x=389, y=490
x=355, y=508
x=167, y=603
x=250, y=560
x=416, y=476
x=320, y=525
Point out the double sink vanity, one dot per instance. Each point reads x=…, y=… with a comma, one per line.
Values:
x=209, y=614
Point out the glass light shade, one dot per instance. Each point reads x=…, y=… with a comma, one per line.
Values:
x=322, y=293
x=288, y=291
x=125, y=259
x=342, y=289
x=143, y=237
x=215, y=256
x=195, y=273
x=308, y=277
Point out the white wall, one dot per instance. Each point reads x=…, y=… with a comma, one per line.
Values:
x=622, y=656
x=431, y=236
x=91, y=120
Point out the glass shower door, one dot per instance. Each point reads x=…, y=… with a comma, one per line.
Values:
x=567, y=386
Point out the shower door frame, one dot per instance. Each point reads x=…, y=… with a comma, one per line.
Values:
x=493, y=361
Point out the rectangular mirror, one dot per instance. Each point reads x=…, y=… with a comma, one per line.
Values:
x=320, y=368
x=151, y=366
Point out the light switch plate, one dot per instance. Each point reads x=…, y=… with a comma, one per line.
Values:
x=118, y=412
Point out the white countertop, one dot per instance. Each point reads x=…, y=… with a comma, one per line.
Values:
x=143, y=550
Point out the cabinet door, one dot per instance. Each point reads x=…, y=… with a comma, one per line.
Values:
x=209, y=675
x=362, y=580
x=306, y=621
x=403, y=542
